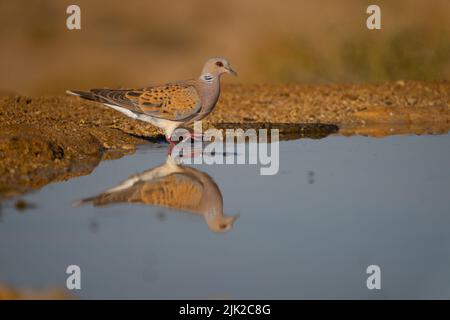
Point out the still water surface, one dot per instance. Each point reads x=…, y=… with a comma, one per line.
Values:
x=337, y=205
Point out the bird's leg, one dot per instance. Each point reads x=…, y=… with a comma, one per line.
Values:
x=170, y=148
x=171, y=145
x=191, y=154
x=187, y=137
x=171, y=142
x=174, y=144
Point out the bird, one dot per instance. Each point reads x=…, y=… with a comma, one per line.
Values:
x=171, y=185
x=168, y=106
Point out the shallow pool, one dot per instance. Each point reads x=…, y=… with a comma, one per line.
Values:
x=337, y=206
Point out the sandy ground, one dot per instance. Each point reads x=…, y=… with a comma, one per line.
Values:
x=46, y=139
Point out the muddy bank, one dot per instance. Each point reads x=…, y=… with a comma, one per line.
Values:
x=47, y=139
x=11, y=293
x=50, y=139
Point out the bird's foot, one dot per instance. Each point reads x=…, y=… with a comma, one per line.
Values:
x=171, y=142
x=191, y=154
x=170, y=148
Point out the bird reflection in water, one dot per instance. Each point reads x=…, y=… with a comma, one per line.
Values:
x=175, y=186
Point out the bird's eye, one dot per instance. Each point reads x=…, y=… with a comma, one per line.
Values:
x=219, y=64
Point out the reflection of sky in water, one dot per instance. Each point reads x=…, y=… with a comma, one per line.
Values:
x=337, y=206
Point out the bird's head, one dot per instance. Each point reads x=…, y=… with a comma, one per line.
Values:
x=215, y=67
x=221, y=224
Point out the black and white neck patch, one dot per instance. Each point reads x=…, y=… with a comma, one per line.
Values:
x=207, y=78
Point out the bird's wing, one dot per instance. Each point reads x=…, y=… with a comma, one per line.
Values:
x=177, y=190
x=173, y=101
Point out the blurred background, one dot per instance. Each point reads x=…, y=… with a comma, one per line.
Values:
x=137, y=43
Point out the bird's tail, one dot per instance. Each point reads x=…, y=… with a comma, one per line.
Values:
x=81, y=202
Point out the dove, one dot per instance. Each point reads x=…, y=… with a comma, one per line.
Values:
x=172, y=186
x=168, y=106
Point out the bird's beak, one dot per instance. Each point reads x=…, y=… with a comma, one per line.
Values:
x=231, y=71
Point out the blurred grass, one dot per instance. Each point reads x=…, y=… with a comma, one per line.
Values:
x=136, y=43
x=412, y=54
x=407, y=54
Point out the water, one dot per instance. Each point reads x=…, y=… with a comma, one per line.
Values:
x=337, y=206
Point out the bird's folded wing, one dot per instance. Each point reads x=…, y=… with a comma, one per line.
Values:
x=177, y=191
x=175, y=101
